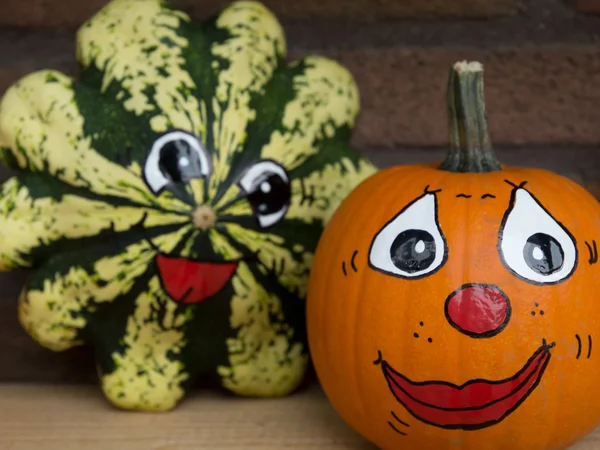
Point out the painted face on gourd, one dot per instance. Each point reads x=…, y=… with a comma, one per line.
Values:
x=460, y=310
x=169, y=199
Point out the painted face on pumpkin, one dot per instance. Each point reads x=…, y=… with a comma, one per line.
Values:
x=476, y=309
x=532, y=245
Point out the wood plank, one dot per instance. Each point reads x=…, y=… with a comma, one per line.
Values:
x=77, y=417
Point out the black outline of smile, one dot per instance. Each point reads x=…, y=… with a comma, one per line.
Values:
x=544, y=360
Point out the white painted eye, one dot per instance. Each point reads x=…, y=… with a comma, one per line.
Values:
x=534, y=245
x=411, y=245
x=175, y=157
x=267, y=188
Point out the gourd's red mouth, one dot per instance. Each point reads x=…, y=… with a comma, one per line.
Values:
x=474, y=405
x=188, y=281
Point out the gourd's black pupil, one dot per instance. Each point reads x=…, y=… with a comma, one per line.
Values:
x=179, y=162
x=270, y=194
x=543, y=254
x=413, y=250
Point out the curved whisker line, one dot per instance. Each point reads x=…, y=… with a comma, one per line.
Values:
x=352, y=261
x=393, y=427
x=399, y=420
x=593, y=250
x=379, y=359
x=589, y=346
x=578, y=346
x=344, y=268
x=589, y=247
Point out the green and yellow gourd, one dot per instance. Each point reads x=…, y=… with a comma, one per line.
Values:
x=169, y=199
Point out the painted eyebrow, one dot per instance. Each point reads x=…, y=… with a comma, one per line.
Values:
x=516, y=186
x=484, y=196
x=428, y=191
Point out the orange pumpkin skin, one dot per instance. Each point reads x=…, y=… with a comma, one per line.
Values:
x=368, y=319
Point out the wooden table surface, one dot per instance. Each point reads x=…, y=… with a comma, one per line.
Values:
x=48, y=417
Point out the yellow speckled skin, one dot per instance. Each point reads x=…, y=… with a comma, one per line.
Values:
x=82, y=215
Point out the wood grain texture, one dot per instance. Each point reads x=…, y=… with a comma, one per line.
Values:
x=77, y=417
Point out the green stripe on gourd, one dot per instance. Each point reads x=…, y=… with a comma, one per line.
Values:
x=105, y=242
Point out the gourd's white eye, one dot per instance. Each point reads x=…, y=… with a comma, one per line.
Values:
x=267, y=188
x=175, y=157
x=411, y=245
x=534, y=245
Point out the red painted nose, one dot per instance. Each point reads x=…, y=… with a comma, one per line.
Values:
x=478, y=310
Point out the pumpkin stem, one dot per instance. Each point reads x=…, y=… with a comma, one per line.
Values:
x=470, y=143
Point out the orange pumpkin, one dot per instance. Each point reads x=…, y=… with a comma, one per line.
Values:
x=455, y=305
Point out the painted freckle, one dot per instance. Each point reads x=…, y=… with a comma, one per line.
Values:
x=429, y=340
x=541, y=311
x=416, y=335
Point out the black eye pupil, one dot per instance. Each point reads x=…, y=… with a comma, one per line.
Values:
x=543, y=254
x=179, y=162
x=413, y=250
x=270, y=195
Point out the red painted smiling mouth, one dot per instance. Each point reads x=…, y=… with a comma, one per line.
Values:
x=188, y=281
x=474, y=405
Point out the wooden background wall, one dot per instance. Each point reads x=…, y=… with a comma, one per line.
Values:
x=542, y=60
